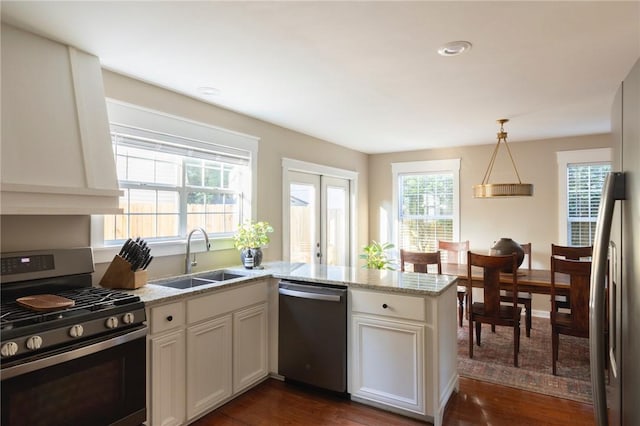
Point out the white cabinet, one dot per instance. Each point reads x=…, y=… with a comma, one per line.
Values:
x=389, y=362
x=167, y=365
x=225, y=351
x=56, y=147
x=209, y=349
x=249, y=347
x=403, y=351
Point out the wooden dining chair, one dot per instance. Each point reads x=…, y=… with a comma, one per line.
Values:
x=524, y=298
x=571, y=253
x=491, y=311
x=454, y=251
x=576, y=321
x=420, y=260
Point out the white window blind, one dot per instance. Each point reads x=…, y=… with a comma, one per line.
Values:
x=426, y=196
x=425, y=210
x=584, y=187
x=173, y=184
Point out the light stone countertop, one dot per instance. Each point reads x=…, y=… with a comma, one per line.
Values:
x=372, y=279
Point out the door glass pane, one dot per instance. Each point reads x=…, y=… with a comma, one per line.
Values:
x=337, y=232
x=302, y=222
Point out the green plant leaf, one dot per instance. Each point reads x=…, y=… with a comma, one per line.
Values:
x=252, y=235
x=375, y=256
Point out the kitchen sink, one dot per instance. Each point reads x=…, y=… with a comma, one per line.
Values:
x=219, y=276
x=213, y=277
x=185, y=283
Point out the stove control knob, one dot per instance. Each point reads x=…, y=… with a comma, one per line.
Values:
x=76, y=331
x=9, y=349
x=128, y=318
x=112, y=322
x=34, y=343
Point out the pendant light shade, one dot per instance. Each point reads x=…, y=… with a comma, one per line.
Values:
x=490, y=190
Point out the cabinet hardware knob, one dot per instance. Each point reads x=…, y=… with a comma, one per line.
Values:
x=170, y=318
x=385, y=306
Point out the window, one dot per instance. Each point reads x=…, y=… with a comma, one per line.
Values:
x=176, y=175
x=584, y=187
x=582, y=176
x=426, y=200
x=171, y=188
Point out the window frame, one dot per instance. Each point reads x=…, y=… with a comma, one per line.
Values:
x=424, y=167
x=564, y=159
x=124, y=114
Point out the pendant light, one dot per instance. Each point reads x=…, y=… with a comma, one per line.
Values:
x=490, y=190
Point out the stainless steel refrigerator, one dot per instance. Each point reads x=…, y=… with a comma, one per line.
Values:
x=616, y=262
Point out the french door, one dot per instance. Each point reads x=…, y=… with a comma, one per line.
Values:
x=317, y=218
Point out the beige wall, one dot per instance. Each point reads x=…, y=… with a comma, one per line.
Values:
x=483, y=221
x=33, y=232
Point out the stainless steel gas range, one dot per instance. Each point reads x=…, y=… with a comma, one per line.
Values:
x=70, y=353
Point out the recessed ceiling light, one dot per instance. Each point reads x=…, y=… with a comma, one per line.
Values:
x=209, y=91
x=454, y=48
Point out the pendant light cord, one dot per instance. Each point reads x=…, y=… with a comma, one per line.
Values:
x=502, y=136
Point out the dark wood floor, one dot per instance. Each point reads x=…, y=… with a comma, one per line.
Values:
x=478, y=403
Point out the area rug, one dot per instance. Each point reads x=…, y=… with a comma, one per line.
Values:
x=493, y=361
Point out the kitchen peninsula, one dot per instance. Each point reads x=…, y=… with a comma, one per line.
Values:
x=401, y=332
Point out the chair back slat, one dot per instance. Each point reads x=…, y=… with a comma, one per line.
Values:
x=572, y=253
x=420, y=260
x=455, y=251
x=491, y=289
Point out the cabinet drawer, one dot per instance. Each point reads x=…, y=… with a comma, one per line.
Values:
x=166, y=317
x=388, y=304
x=219, y=303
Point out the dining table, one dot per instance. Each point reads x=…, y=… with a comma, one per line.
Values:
x=537, y=281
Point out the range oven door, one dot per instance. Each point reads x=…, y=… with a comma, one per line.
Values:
x=102, y=383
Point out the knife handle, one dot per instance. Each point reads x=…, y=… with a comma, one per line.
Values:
x=147, y=262
x=125, y=246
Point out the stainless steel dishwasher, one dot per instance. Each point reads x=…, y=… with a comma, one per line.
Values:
x=312, y=342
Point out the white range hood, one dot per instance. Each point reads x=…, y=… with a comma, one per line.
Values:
x=56, y=147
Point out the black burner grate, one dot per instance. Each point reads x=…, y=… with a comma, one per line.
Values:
x=87, y=300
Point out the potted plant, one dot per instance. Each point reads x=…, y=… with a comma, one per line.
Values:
x=249, y=239
x=376, y=257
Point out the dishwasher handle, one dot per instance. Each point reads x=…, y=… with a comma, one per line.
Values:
x=309, y=295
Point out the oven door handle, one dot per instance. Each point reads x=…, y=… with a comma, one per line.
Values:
x=49, y=361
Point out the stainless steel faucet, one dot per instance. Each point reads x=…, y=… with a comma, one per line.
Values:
x=188, y=264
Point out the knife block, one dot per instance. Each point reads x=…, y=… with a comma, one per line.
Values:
x=120, y=275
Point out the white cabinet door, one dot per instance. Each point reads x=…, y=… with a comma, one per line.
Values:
x=168, y=379
x=250, y=339
x=388, y=362
x=209, y=355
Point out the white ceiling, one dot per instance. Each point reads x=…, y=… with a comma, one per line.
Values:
x=367, y=75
